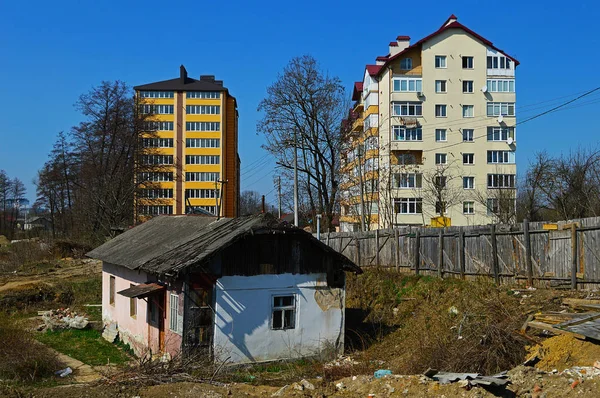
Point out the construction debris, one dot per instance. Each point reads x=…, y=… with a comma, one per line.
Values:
x=64, y=318
x=472, y=379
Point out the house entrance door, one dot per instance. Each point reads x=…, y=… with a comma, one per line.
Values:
x=201, y=322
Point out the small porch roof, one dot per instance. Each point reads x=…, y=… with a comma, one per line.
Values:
x=142, y=290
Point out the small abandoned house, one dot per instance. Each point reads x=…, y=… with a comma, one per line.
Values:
x=239, y=290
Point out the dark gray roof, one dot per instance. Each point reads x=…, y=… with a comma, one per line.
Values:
x=178, y=85
x=169, y=244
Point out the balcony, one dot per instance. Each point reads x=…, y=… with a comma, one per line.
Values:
x=358, y=125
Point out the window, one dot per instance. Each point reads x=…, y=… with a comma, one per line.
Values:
x=440, y=61
x=156, y=159
x=156, y=210
x=468, y=182
x=404, y=134
x=440, y=182
x=467, y=62
x=201, y=176
x=371, y=143
x=492, y=206
x=501, y=85
x=498, y=62
x=468, y=158
x=112, y=292
x=469, y=207
x=440, y=86
x=406, y=63
x=407, y=109
x=157, y=193
x=406, y=158
x=203, y=94
x=500, y=180
x=440, y=158
x=467, y=86
x=203, y=126
x=440, y=111
x=408, y=205
x=500, y=133
x=156, y=177
x=157, y=142
x=408, y=85
x=409, y=180
x=500, y=108
x=440, y=207
x=158, y=126
x=156, y=94
x=501, y=156
x=440, y=135
x=468, y=135
x=201, y=193
x=203, y=109
x=202, y=142
x=468, y=110
x=174, y=312
x=202, y=159
x=156, y=109
x=132, y=305
x=284, y=312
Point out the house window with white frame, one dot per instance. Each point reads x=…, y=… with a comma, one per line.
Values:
x=468, y=207
x=501, y=85
x=406, y=63
x=500, y=180
x=407, y=109
x=408, y=85
x=283, y=312
x=403, y=134
x=468, y=182
x=468, y=135
x=468, y=110
x=440, y=110
x=440, y=61
x=468, y=158
x=496, y=157
x=174, y=312
x=467, y=86
x=409, y=180
x=440, y=135
x=500, y=133
x=408, y=205
x=441, y=158
x=440, y=86
x=467, y=62
x=501, y=108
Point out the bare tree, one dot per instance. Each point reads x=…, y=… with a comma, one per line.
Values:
x=440, y=188
x=302, y=111
x=250, y=203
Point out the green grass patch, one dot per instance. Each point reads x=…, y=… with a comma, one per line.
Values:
x=86, y=345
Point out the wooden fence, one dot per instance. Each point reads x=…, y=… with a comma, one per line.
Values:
x=528, y=252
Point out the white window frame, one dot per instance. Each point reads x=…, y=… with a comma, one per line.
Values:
x=443, y=86
x=284, y=309
x=409, y=180
x=501, y=157
x=468, y=182
x=439, y=157
x=443, y=110
x=440, y=62
x=441, y=135
x=406, y=64
x=470, y=87
x=408, y=205
x=501, y=181
x=468, y=133
x=467, y=157
x=174, y=312
x=500, y=108
x=415, y=134
x=499, y=85
x=468, y=111
x=404, y=85
x=467, y=58
x=500, y=134
x=468, y=207
x=415, y=106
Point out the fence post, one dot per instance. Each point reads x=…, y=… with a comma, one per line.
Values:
x=417, y=251
x=441, y=253
x=377, y=247
x=328, y=238
x=358, y=252
x=397, y=247
x=495, y=254
x=573, y=256
x=528, y=252
x=461, y=251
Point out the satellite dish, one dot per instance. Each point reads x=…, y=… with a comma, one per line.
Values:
x=510, y=141
x=484, y=89
x=500, y=119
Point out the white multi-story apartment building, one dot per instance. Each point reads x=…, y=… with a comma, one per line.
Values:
x=431, y=138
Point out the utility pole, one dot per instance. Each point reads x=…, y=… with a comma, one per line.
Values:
x=295, y=178
x=362, y=191
x=279, y=194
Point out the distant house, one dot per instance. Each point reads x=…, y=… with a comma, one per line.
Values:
x=240, y=290
x=39, y=223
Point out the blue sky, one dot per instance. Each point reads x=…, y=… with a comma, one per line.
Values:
x=54, y=51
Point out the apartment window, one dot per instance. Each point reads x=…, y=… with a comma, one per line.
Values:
x=406, y=63
x=203, y=126
x=407, y=109
x=498, y=62
x=201, y=193
x=155, y=176
x=156, y=210
x=406, y=158
x=467, y=62
x=467, y=86
x=468, y=110
x=371, y=143
x=492, y=206
x=469, y=207
x=174, y=312
x=201, y=177
x=284, y=312
x=156, y=109
x=157, y=193
x=468, y=135
x=440, y=207
x=156, y=94
x=156, y=159
x=202, y=142
x=112, y=291
x=469, y=182
x=409, y=180
x=408, y=205
x=203, y=109
x=500, y=108
x=440, y=135
x=440, y=182
x=157, y=142
x=500, y=133
x=408, y=85
x=440, y=111
x=501, y=85
x=158, y=126
x=203, y=94
x=440, y=158
x=404, y=134
x=202, y=159
x=500, y=180
x=440, y=61
x=501, y=157
x=132, y=305
x=440, y=86
x=468, y=158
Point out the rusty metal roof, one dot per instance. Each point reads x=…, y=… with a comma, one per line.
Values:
x=142, y=290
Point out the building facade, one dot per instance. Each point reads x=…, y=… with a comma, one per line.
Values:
x=191, y=142
x=431, y=137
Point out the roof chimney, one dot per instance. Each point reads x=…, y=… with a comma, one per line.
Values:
x=182, y=74
x=401, y=43
x=207, y=78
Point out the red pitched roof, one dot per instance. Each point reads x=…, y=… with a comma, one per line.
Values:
x=374, y=69
x=446, y=26
x=382, y=58
x=403, y=38
x=393, y=44
x=358, y=87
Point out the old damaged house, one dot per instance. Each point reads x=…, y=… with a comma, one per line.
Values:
x=239, y=290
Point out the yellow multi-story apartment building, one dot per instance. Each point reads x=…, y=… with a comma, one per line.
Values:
x=192, y=142
x=431, y=137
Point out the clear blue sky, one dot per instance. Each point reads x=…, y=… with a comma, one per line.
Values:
x=51, y=52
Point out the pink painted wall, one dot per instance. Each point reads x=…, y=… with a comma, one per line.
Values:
x=173, y=338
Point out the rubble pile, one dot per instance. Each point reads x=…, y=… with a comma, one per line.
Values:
x=63, y=318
